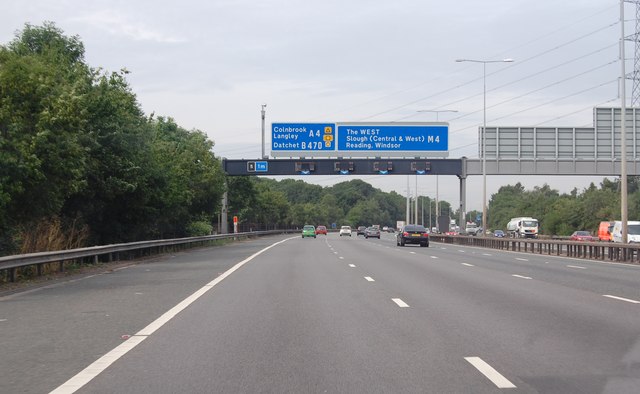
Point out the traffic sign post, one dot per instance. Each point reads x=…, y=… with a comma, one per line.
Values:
x=302, y=139
x=388, y=139
x=360, y=139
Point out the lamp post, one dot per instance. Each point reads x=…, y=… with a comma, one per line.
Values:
x=437, y=111
x=484, y=133
x=262, y=112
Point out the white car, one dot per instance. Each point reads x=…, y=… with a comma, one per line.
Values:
x=345, y=230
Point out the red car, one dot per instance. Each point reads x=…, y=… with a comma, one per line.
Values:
x=582, y=236
x=321, y=230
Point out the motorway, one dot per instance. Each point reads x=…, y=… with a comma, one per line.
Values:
x=334, y=314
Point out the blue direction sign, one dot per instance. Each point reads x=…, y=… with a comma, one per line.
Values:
x=300, y=138
x=393, y=138
x=262, y=166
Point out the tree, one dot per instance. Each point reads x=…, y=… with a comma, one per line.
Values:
x=43, y=83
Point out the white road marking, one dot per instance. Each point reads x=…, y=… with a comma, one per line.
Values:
x=335, y=252
x=468, y=265
x=434, y=257
x=487, y=370
x=577, y=266
x=622, y=299
x=521, y=277
x=3, y=319
x=412, y=252
x=352, y=265
x=461, y=251
x=341, y=258
x=487, y=254
x=97, y=367
x=400, y=303
x=369, y=279
x=518, y=258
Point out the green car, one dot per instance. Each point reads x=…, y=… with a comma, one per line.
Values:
x=308, y=231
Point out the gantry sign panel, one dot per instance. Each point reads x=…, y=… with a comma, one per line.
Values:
x=327, y=166
x=360, y=139
x=601, y=142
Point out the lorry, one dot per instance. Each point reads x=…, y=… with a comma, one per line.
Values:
x=523, y=227
x=443, y=224
x=633, y=231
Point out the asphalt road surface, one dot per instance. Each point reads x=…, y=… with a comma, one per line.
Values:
x=330, y=315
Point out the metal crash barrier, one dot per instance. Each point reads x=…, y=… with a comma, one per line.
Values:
x=606, y=251
x=117, y=252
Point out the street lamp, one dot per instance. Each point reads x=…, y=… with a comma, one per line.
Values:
x=262, y=113
x=437, y=111
x=484, y=133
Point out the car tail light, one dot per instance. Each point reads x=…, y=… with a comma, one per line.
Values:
x=405, y=234
x=425, y=234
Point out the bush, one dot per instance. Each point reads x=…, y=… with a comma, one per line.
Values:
x=196, y=229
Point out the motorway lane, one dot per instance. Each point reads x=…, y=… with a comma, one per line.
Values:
x=303, y=317
x=48, y=334
x=315, y=323
x=311, y=323
x=559, y=338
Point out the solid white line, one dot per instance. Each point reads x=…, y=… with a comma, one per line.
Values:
x=400, y=303
x=622, y=299
x=577, y=266
x=487, y=370
x=369, y=279
x=352, y=265
x=521, y=277
x=96, y=368
x=518, y=258
x=468, y=265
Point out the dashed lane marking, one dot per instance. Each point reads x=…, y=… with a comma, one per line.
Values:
x=400, y=303
x=487, y=370
x=521, y=277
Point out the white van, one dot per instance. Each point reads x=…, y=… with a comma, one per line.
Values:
x=633, y=231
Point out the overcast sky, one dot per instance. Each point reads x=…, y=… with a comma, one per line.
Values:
x=211, y=64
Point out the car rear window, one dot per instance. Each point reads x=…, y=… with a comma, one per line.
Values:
x=414, y=228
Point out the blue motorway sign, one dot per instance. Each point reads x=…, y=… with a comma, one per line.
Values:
x=393, y=138
x=262, y=166
x=303, y=137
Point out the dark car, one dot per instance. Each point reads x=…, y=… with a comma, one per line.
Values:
x=413, y=234
x=498, y=233
x=372, y=232
x=360, y=230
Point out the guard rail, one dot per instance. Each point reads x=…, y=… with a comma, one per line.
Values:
x=606, y=251
x=115, y=252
